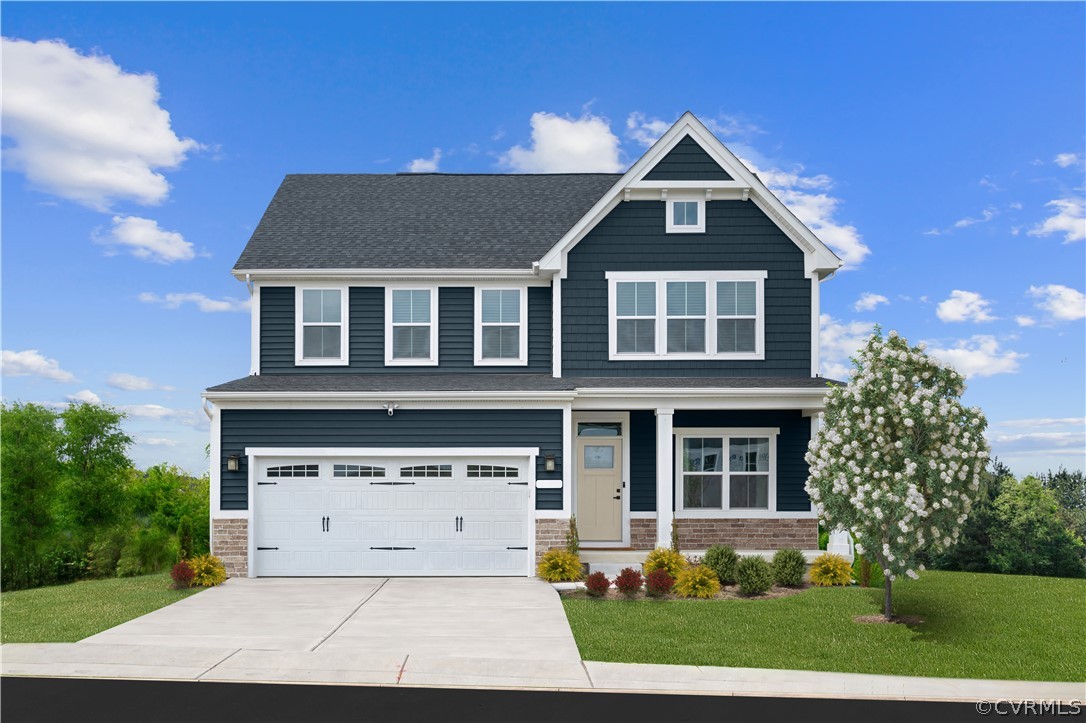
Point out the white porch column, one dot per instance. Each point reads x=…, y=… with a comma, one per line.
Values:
x=665, y=466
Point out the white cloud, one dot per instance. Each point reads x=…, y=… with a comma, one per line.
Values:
x=84, y=129
x=86, y=396
x=964, y=306
x=1025, y=321
x=1068, y=220
x=1043, y=422
x=988, y=183
x=1061, y=302
x=143, y=238
x=1066, y=160
x=645, y=131
x=869, y=301
x=159, y=442
x=202, y=302
x=839, y=340
x=566, y=145
x=978, y=356
x=30, y=363
x=157, y=412
x=985, y=216
x=133, y=383
x=425, y=165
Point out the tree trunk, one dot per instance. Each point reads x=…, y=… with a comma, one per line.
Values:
x=888, y=608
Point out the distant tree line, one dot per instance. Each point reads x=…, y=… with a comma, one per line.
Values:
x=72, y=504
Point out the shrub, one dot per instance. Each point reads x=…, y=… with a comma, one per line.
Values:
x=697, y=581
x=105, y=552
x=1030, y=537
x=675, y=538
x=830, y=569
x=659, y=583
x=149, y=550
x=754, y=574
x=629, y=582
x=559, y=565
x=182, y=574
x=573, y=538
x=184, y=538
x=788, y=567
x=867, y=571
x=664, y=559
x=823, y=538
x=207, y=571
x=597, y=584
x=721, y=559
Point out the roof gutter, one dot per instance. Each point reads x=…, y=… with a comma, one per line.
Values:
x=247, y=274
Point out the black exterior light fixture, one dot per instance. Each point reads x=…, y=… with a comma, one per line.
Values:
x=548, y=462
x=232, y=463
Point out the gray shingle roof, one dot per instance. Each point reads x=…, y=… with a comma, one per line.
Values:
x=352, y=221
x=392, y=383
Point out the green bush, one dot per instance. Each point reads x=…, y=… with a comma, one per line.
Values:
x=184, y=538
x=149, y=550
x=573, y=538
x=868, y=573
x=788, y=567
x=721, y=559
x=105, y=552
x=207, y=571
x=664, y=559
x=823, y=538
x=697, y=581
x=754, y=574
x=830, y=569
x=559, y=565
x=1029, y=536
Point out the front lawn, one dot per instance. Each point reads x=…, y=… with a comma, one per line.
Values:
x=66, y=613
x=975, y=626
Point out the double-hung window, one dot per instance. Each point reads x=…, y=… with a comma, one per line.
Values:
x=659, y=316
x=411, y=326
x=321, y=331
x=501, y=327
x=727, y=471
x=685, y=215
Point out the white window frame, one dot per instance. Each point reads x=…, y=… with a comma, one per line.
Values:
x=704, y=318
x=710, y=278
x=522, y=357
x=299, y=326
x=671, y=227
x=433, y=358
x=726, y=434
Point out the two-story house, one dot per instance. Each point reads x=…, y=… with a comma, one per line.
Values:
x=446, y=367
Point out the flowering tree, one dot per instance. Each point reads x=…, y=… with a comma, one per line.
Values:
x=898, y=459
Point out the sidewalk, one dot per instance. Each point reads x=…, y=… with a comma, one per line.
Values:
x=78, y=660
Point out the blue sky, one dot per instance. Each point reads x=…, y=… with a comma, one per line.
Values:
x=938, y=147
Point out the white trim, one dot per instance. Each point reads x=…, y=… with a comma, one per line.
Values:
x=250, y=529
x=819, y=257
x=567, y=456
x=556, y=327
x=665, y=483
x=816, y=325
x=405, y=274
x=551, y=515
x=548, y=484
x=669, y=215
x=622, y=418
x=522, y=356
x=215, y=462
x=254, y=330
x=299, y=326
x=725, y=434
x=661, y=279
x=393, y=452
x=643, y=515
x=432, y=325
x=230, y=515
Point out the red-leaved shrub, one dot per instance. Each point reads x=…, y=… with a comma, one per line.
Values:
x=659, y=583
x=628, y=582
x=182, y=574
x=597, y=584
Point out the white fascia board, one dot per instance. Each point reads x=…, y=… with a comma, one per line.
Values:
x=681, y=393
x=386, y=396
x=285, y=276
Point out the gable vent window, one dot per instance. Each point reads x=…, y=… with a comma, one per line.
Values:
x=686, y=315
x=501, y=336
x=321, y=337
x=357, y=470
x=411, y=326
x=293, y=470
x=686, y=216
x=426, y=471
x=492, y=471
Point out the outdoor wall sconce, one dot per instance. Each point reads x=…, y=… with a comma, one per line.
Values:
x=548, y=462
x=232, y=463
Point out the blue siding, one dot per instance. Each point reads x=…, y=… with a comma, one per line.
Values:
x=243, y=428
x=687, y=161
x=456, y=319
x=642, y=460
x=739, y=236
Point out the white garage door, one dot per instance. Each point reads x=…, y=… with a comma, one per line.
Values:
x=391, y=516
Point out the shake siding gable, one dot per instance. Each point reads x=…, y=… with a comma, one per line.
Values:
x=739, y=236
x=687, y=161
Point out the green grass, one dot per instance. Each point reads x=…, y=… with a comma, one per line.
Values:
x=66, y=613
x=975, y=626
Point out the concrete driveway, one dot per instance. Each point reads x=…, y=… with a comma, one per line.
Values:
x=505, y=618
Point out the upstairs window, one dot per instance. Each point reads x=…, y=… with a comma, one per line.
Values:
x=635, y=311
x=685, y=215
x=737, y=316
x=411, y=326
x=686, y=317
x=321, y=333
x=501, y=320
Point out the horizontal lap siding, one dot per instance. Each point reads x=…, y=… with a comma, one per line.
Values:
x=687, y=161
x=456, y=329
x=739, y=237
x=242, y=428
x=642, y=461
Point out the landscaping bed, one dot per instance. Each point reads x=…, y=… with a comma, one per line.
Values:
x=727, y=592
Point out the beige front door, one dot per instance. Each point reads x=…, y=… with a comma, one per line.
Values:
x=599, y=489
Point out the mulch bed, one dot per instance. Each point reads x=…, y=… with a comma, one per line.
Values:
x=729, y=592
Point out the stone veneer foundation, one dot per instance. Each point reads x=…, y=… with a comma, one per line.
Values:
x=748, y=534
x=549, y=534
x=230, y=541
x=643, y=533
